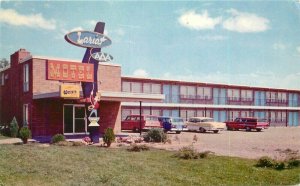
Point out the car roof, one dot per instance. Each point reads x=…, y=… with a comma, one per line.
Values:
x=141, y=115
x=171, y=117
x=201, y=117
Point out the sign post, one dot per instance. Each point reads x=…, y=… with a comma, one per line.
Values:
x=93, y=42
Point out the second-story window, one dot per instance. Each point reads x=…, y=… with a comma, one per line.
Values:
x=203, y=92
x=188, y=92
x=282, y=97
x=246, y=95
x=136, y=87
x=126, y=86
x=26, y=78
x=233, y=94
x=271, y=96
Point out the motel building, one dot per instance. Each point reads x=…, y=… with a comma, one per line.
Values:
x=45, y=93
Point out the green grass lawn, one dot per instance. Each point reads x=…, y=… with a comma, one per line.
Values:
x=34, y=164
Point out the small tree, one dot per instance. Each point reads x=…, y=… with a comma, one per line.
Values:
x=24, y=134
x=14, y=127
x=109, y=136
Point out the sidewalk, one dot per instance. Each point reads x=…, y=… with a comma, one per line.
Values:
x=13, y=140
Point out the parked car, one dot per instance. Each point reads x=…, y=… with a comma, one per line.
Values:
x=204, y=124
x=132, y=122
x=248, y=123
x=169, y=123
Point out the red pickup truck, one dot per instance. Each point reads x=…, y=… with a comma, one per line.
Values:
x=248, y=124
x=132, y=122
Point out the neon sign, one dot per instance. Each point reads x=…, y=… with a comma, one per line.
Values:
x=87, y=39
x=68, y=71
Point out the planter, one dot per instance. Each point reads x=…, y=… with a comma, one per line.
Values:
x=25, y=140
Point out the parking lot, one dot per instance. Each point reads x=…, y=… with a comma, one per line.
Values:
x=275, y=142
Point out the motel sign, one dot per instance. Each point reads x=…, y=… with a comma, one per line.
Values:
x=68, y=71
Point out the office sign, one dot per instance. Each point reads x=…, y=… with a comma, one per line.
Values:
x=87, y=39
x=69, y=91
x=102, y=57
x=69, y=71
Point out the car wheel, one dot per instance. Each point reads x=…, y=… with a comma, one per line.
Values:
x=258, y=130
x=202, y=130
x=136, y=130
x=178, y=132
x=228, y=128
x=248, y=129
x=216, y=131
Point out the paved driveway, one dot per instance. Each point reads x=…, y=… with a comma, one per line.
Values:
x=274, y=142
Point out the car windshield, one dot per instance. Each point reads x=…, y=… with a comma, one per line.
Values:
x=262, y=120
x=177, y=121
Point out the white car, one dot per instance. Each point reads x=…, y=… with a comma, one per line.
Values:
x=204, y=124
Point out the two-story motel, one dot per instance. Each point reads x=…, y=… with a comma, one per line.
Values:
x=29, y=93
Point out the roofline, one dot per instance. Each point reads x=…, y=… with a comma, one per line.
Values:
x=63, y=59
x=207, y=84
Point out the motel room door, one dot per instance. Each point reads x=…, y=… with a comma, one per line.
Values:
x=74, y=119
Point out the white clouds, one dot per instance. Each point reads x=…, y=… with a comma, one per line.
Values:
x=192, y=20
x=242, y=22
x=140, y=73
x=12, y=17
x=245, y=22
x=279, y=46
x=298, y=48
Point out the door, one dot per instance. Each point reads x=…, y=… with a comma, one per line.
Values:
x=74, y=119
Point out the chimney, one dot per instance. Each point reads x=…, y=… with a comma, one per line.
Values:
x=18, y=56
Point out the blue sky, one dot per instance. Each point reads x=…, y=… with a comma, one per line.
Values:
x=255, y=43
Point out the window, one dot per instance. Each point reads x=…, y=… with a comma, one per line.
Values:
x=246, y=95
x=26, y=78
x=136, y=87
x=25, y=115
x=126, y=86
x=2, y=78
x=282, y=97
x=271, y=96
x=147, y=88
x=233, y=94
x=203, y=92
x=188, y=92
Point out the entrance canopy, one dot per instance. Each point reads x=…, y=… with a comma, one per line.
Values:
x=111, y=96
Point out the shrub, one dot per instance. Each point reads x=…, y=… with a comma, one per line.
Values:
x=187, y=153
x=204, y=154
x=109, y=136
x=24, y=134
x=155, y=135
x=138, y=148
x=57, y=138
x=14, y=127
x=279, y=165
x=5, y=130
x=265, y=162
x=293, y=162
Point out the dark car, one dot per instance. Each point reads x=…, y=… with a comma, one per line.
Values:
x=172, y=124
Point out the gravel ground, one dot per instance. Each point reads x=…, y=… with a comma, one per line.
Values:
x=275, y=142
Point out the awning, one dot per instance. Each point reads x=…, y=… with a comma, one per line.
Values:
x=110, y=96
